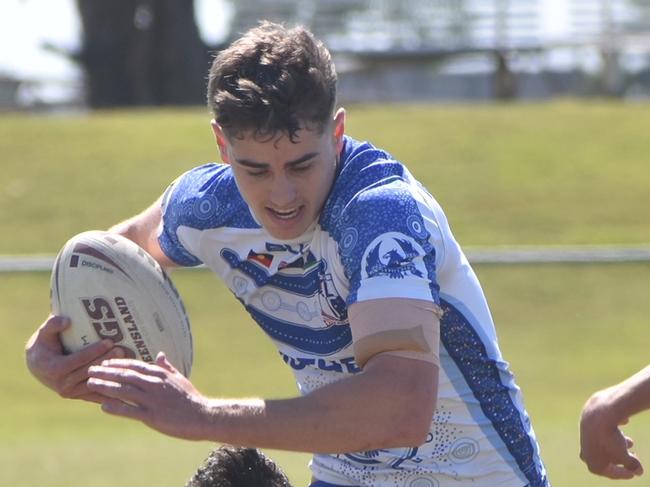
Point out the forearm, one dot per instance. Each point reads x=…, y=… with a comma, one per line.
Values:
x=143, y=230
x=383, y=408
x=630, y=396
x=140, y=227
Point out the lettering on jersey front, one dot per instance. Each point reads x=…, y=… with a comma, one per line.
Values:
x=300, y=290
x=392, y=255
x=281, y=247
x=344, y=365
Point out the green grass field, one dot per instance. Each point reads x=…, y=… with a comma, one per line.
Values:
x=548, y=174
x=561, y=173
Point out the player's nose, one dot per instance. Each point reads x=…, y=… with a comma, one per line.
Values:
x=284, y=193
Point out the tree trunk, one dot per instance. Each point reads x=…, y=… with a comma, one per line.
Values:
x=142, y=52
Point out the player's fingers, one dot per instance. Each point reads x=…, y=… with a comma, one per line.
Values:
x=92, y=354
x=54, y=325
x=138, y=366
x=80, y=391
x=74, y=383
x=136, y=373
x=47, y=335
x=617, y=472
x=92, y=397
x=66, y=371
x=633, y=464
x=115, y=390
x=161, y=361
x=120, y=408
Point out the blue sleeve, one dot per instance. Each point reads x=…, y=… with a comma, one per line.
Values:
x=385, y=246
x=190, y=201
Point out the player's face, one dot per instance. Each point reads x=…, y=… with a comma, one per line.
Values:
x=285, y=183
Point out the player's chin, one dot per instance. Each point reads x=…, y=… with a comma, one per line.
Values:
x=281, y=234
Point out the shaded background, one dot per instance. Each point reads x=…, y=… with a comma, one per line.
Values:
x=156, y=52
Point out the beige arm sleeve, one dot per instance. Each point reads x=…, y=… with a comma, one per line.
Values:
x=407, y=328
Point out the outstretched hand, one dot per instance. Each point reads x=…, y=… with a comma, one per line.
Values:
x=603, y=446
x=156, y=394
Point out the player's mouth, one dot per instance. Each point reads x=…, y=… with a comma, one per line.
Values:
x=285, y=215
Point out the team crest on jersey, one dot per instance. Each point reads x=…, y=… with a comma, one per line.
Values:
x=392, y=255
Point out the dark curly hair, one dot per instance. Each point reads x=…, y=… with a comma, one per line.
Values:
x=230, y=466
x=272, y=80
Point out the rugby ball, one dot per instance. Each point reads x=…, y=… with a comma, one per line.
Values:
x=111, y=288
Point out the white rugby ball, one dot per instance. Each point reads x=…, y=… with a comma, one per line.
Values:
x=111, y=288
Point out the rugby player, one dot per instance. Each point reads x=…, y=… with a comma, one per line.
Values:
x=349, y=265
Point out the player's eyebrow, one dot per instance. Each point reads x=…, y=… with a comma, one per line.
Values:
x=263, y=165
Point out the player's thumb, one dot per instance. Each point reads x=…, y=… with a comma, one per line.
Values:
x=633, y=464
x=50, y=330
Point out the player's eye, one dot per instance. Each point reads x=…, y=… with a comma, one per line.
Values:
x=302, y=167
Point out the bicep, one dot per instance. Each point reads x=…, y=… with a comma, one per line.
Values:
x=409, y=328
x=143, y=229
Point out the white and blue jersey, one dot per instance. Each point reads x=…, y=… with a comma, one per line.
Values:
x=380, y=235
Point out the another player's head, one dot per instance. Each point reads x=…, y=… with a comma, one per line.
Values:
x=273, y=95
x=230, y=466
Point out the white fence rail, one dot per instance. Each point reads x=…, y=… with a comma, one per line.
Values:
x=516, y=255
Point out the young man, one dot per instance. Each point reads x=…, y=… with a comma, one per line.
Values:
x=349, y=265
x=229, y=466
x=603, y=447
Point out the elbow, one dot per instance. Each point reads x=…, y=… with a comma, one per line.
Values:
x=415, y=413
x=411, y=426
x=410, y=403
x=415, y=426
x=418, y=434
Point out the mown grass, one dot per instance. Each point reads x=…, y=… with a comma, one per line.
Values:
x=567, y=330
x=553, y=174
x=548, y=174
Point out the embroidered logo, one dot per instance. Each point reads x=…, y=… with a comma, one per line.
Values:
x=392, y=255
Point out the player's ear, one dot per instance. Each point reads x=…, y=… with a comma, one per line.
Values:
x=339, y=129
x=222, y=141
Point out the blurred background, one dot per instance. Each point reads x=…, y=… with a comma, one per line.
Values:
x=86, y=53
x=526, y=119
